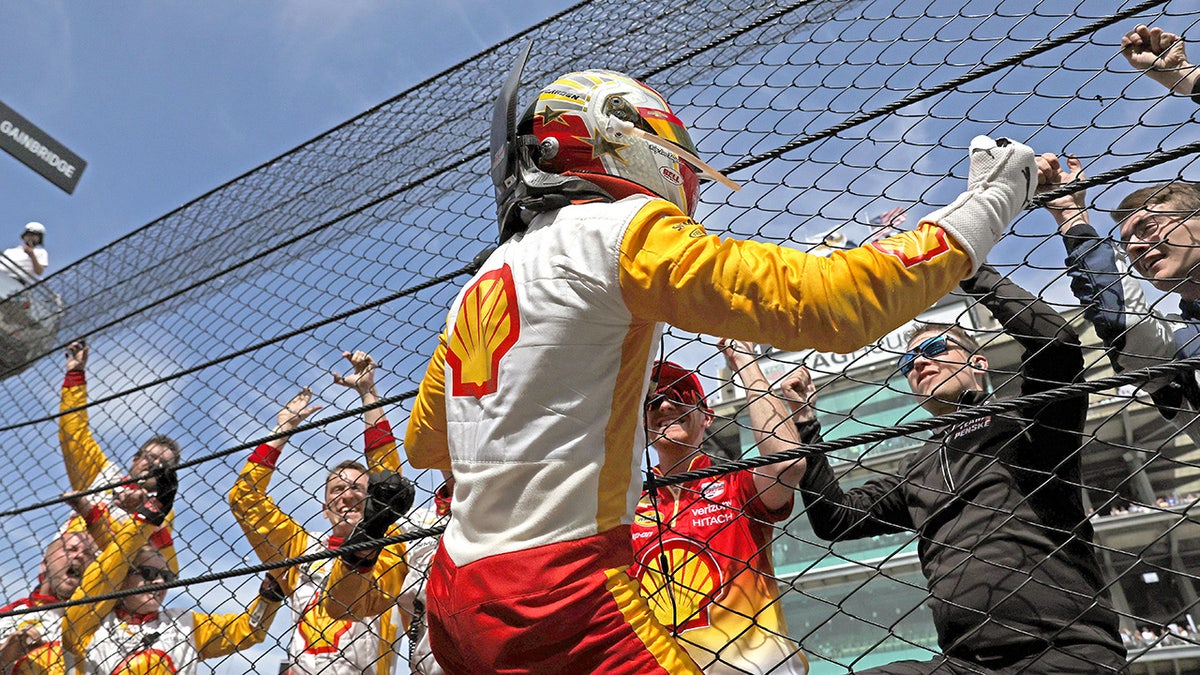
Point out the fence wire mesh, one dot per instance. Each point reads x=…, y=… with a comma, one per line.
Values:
x=837, y=117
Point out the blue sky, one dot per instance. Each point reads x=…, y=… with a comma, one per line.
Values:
x=168, y=100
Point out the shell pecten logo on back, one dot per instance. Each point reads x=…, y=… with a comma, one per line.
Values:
x=486, y=327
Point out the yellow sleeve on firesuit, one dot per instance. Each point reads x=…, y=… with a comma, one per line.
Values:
x=81, y=453
x=273, y=534
x=671, y=270
x=104, y=575
x=223, y=634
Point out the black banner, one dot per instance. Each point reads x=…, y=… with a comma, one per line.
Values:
x=36, y=149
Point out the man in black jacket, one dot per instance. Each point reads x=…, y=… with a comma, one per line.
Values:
x=1004, y=541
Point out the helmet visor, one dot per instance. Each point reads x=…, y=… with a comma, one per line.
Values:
x=667, y=126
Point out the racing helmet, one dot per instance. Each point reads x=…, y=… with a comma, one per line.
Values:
x=602, y=126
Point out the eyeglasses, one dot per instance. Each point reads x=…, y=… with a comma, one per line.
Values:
x=1152, y=227
x=157, y=460
x=151, y=573
x=929, y=349
x=679, y=397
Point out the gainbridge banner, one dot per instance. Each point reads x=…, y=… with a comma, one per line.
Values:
x=37, y=150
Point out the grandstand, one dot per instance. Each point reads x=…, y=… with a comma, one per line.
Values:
x=829, y=112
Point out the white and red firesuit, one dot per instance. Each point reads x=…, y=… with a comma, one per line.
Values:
x=89, y=468
x=322, y=643
x=534, y=396
x=46, y=658
x=101, y=639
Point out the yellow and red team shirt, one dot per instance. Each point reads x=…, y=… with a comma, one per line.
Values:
x=89, y=468
x=322, y=642
x=46, y=658
x=702, y=554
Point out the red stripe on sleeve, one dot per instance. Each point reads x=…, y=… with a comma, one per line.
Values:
x=379, y=435
x=162, y=538
x=266, y=455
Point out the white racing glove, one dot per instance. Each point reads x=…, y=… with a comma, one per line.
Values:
x=1001, y=182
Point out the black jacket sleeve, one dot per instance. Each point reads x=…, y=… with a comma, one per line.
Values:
x=1052, y=357
x=1113, y=301
x=878, y=507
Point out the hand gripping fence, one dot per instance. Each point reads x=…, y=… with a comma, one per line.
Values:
x=976, y=412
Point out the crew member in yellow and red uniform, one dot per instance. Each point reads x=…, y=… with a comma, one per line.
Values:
x=321, y=641
x=534, y=395
x=89, y=468
x=136, y=635
x=702, y=549
x=30, y=643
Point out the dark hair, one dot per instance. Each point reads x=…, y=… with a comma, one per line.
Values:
x=164, y=440
x=345, y=464
x=1184, y=195
x=952, y=329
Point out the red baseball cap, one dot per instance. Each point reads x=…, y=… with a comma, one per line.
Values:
x=672, y=376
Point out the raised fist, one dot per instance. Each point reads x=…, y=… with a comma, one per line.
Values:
x=77, y=355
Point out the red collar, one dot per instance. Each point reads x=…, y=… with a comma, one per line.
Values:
x=334, y=543
x=135, y=619
x=35, y=599
x=38, y=599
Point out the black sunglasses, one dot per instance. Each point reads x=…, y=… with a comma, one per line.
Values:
x=929, y=349
x=152, y=574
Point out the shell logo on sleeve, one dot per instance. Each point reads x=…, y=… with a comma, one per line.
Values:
x=928, y=243
x=681, y=594
x=486, y=327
